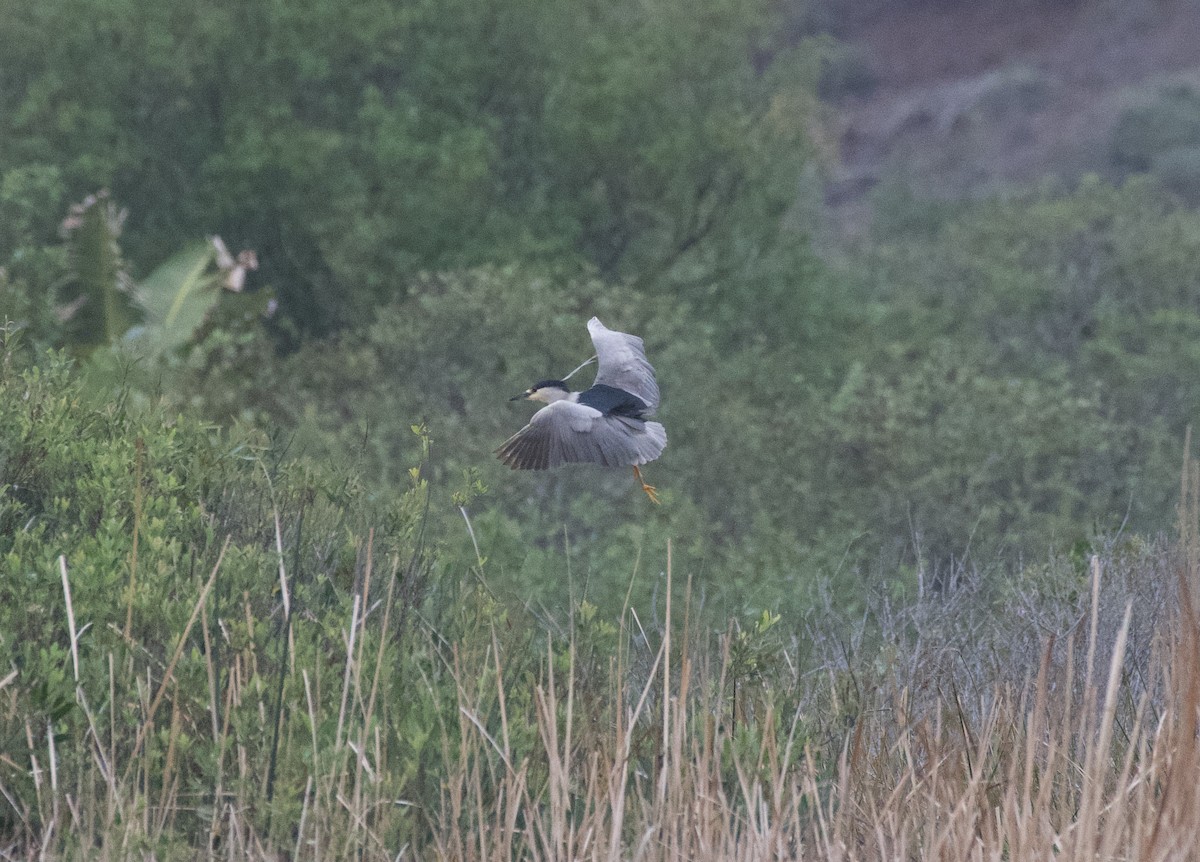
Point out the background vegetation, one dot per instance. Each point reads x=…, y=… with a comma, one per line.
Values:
x=264, y=587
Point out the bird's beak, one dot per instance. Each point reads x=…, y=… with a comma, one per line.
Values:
x=524, y=394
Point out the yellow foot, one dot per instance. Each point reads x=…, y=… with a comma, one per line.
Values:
x=650, y=490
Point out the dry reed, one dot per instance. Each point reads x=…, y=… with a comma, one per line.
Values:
x=1061, y=762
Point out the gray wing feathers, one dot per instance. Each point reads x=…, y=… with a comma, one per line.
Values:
x=651, y=441
x=569, y=433
x=622, y=363
x=618, y=441
x=528, y=449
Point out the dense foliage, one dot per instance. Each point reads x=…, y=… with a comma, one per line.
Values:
x=984, y=381
x=1002, y=380
x=352, y=146
x=159, y=578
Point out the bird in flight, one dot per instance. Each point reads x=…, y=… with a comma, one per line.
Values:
x=607, y=424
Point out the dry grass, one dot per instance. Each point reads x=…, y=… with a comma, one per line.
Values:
x=1064, y=766
x=1045, y=771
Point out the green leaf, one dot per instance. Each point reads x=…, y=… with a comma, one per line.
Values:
x=178, y=297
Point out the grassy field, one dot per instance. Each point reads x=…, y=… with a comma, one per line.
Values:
x=674, y=745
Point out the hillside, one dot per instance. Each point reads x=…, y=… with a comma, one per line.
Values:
x=969, y=97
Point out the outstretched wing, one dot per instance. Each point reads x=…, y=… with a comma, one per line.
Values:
x=566, y=432
x=622, y=363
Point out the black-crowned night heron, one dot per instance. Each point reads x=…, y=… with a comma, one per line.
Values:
x=606, y=424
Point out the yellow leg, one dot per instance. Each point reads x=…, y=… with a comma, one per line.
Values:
x=650, y=490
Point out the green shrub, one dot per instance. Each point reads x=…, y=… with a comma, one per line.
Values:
x=955, y=461
x=200, y=567
x=1169, y=122
x=32, y=262
x=1179, y=170
x=1089, y=293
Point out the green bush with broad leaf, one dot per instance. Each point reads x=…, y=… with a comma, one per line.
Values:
x=157, y=316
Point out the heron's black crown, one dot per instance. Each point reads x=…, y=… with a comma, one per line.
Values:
x=549, y=384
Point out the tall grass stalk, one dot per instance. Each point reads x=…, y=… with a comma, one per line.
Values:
x=652, y=760
x=1043, y=772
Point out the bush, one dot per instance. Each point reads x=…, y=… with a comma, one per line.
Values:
x=1088, y=293
x=32, y=263
x=157, y=580
x=1179, y=170
x=1170, y=121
